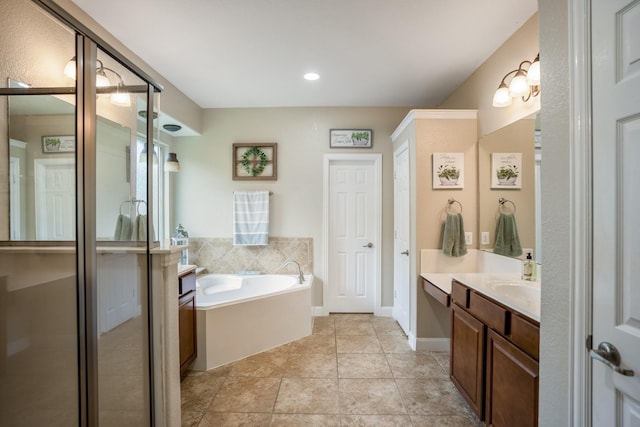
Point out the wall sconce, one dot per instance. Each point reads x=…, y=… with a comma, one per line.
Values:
x=143, y=155
x=120, y=97
x=171, y=164
x=525, y=83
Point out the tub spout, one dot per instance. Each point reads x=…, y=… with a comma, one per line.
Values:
x=300, y=275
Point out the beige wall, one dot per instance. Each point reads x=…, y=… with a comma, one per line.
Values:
x=477, y=91
x=204, y=186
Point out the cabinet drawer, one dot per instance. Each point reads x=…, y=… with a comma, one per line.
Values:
x=525, y=335
x=186, y=283
x=489, y=312
x=460, y=294
x=441, y=296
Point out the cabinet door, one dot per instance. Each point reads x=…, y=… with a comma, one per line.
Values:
x=187, y=331
x=467, y=357
x=512, y=385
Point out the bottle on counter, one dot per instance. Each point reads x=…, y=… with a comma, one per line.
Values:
x=529, y=268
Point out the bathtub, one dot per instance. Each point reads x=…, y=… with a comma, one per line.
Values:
x=238, y=316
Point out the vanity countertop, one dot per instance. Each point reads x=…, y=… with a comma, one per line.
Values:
x=507, y=289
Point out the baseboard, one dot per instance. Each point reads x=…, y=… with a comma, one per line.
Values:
x=433, y=344
x=319, y=310
x=385, y=311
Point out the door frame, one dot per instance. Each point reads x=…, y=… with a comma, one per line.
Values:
x=581, y=218
x=375, y=160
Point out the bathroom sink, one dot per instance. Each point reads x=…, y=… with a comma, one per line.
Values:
x=520, y=293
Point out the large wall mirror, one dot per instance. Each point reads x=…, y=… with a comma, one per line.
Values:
x=42, y=170
x=517, y=144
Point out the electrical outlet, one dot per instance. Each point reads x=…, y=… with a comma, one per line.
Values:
x=485, y=237
x=468, y=237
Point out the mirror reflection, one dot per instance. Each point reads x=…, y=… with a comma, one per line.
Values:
x=42, y=172
x=515, y=147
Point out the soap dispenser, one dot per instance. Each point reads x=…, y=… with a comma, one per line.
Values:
x=529, y=268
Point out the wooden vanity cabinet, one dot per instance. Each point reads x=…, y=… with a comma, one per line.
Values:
x=494, y=359
x=467, y=357
x=512, y=385
x=187, y=320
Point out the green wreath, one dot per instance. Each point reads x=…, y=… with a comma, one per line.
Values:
x=249, y=161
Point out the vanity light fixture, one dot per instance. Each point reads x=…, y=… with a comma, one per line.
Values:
x=171, y=164
x=525, y=84
x=120, y=97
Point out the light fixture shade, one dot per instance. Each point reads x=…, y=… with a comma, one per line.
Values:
x=502, y=98
x=533, y=75
x=70, y=68
x=101, y=79
x=143, y=155
x=171, y=164
x=519, y=86
x=120, y=97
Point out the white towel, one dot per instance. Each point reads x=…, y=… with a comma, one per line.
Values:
x=250, y=218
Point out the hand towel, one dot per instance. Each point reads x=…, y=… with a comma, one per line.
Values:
x=139, y=231
x=507, y=240
x=453, y=239
x=250, y=218
x=123, y=228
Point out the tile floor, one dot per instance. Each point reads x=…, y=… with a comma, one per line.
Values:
x=355, y=370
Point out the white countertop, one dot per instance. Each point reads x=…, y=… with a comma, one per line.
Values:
x=507, y=289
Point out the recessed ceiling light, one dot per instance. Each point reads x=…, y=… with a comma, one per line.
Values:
x=311, y=76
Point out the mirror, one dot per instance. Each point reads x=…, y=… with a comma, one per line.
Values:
x=42, y=169
x=520, y=138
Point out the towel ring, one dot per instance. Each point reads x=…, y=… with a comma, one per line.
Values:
x=450, y=202
x=502, y=202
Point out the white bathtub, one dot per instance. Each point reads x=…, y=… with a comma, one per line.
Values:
x=238, y=316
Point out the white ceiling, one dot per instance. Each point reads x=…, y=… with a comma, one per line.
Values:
x=253, y=53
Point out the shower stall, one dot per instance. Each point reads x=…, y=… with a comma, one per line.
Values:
x=79, y=222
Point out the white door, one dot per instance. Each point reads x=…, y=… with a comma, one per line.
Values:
x=55, y=199
x=401, y=218
x=616, y=204
x=353, y=234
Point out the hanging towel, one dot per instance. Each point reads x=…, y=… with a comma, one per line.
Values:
x=250, y=218
x=453, y=241
x=507, y=240
x=123, y=228
x=139, y=231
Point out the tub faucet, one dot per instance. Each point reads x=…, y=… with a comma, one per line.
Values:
x=300, y=275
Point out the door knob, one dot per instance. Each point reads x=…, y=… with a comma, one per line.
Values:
x=608, y=354
x=405, y=252
x=368, y=245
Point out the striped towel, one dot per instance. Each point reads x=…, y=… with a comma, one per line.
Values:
x=250, y=218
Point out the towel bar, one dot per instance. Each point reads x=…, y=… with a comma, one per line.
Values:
x=502, y=201
x=451, y=202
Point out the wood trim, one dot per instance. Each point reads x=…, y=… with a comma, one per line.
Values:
x=441, y=296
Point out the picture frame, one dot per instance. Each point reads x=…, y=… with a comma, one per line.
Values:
x=448, y=171
x=58, y=144
x=255, y=161
x=506, y=171
x=350, y=138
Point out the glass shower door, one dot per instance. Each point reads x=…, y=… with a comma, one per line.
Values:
x=124, y=232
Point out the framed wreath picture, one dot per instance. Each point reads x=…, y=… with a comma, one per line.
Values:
x=255, y=161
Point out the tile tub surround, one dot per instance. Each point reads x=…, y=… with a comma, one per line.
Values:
x=219, y=255
x=356, y=369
